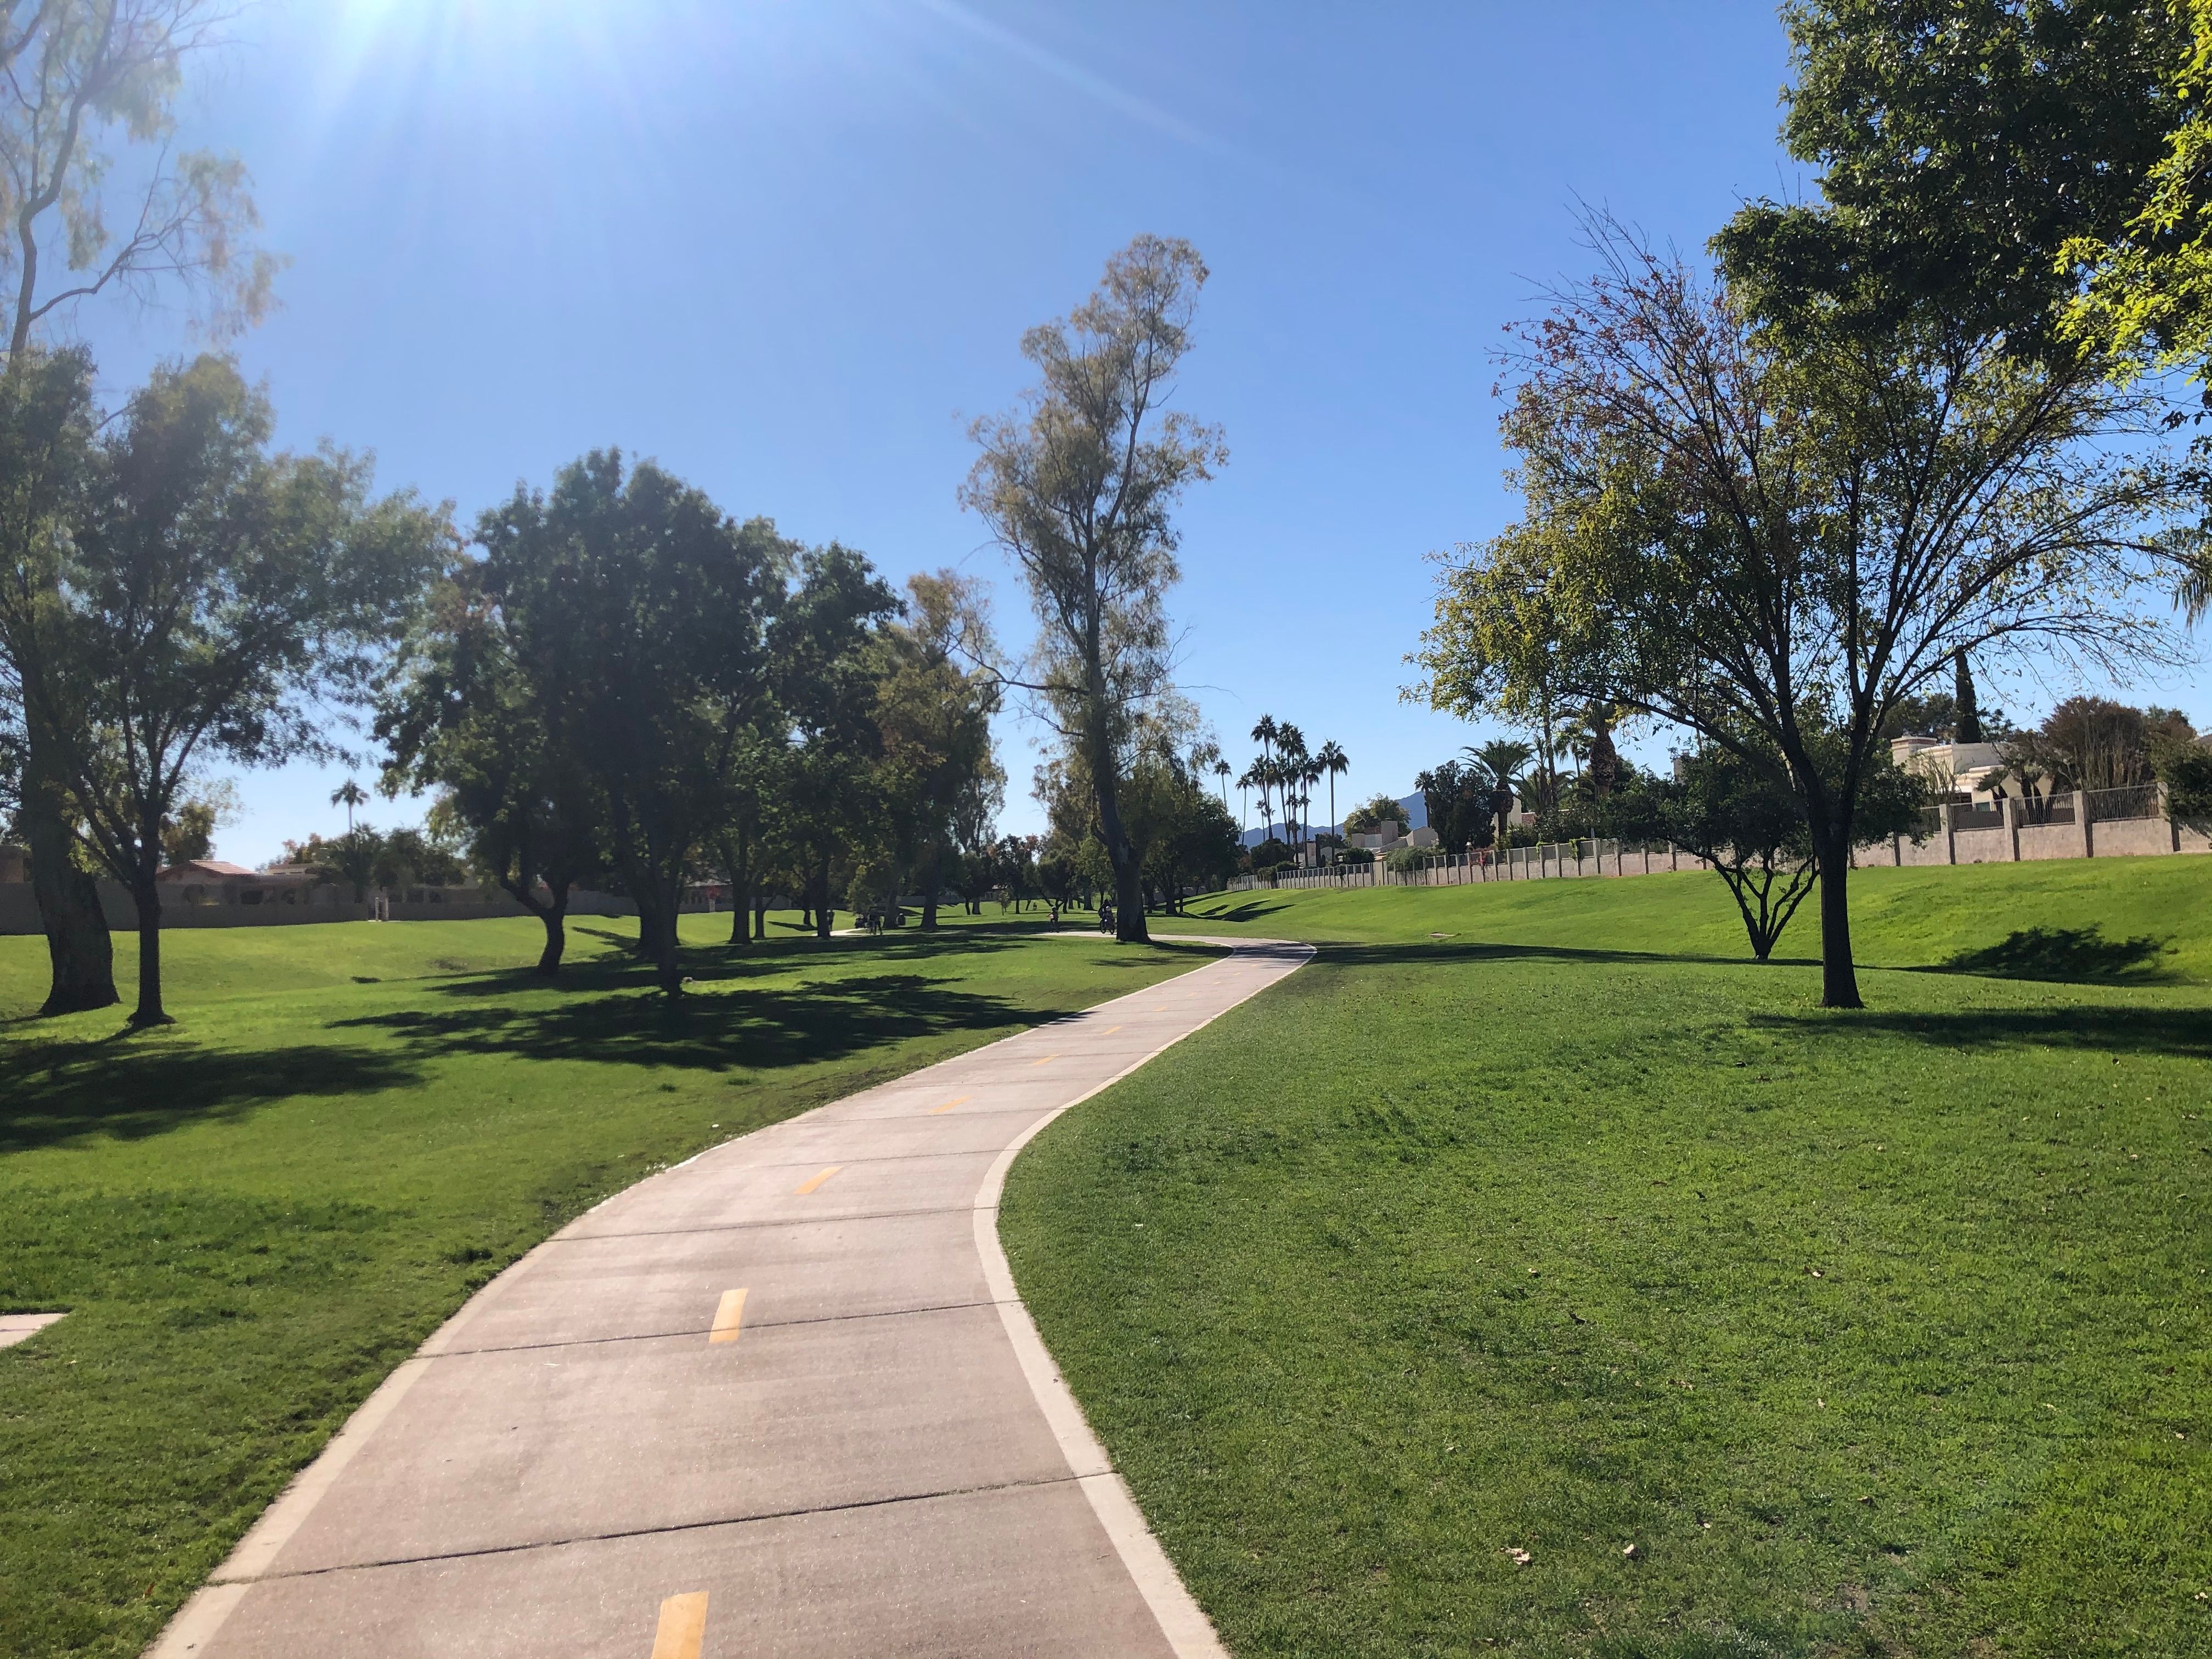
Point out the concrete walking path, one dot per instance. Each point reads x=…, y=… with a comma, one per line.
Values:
x=779, y=1400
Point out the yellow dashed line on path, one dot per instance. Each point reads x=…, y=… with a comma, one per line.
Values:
x=1109, y=1030
x=957, y=1100
x=1047, y=1060
x=727, y=1317
x=683, y=1625
x=812, y=1181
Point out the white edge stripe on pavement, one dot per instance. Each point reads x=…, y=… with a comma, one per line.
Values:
x=1182, y=1620
x=203, y=1615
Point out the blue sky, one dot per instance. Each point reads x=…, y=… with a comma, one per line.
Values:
x=787, y=248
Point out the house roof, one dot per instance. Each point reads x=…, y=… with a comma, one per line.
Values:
x=205, y=869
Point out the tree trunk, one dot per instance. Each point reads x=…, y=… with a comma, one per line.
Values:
x=1128, y=879
x=661, y=946
x=147, y=894
x=823, y=914
x=1605, y=759
x=929, y=869
x=760, y=915
x=741, y=887
x=79, y=951
x=555, y=917
x=1840, y=981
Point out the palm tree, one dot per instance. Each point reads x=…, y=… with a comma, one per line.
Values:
x=1335, y=762
x=349, y=795
x=1221, y=770
x=1263, y=733
x=1502, y=758
x=1260, y=775
x=1291, y=753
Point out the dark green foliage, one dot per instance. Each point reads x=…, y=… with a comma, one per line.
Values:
x=2184, y=767
x=2094, y=743
x=1959, y=145
x=214, y=600
x=1457, y=797
x=1185, y=837
x=635, y=611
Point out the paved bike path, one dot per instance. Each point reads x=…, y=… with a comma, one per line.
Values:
x=780, y=1400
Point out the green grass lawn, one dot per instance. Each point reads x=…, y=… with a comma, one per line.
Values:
x=2129, y=920
x=1878, y=1333
x=254, y=1215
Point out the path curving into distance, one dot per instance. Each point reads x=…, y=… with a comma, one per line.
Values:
x=779, y=1400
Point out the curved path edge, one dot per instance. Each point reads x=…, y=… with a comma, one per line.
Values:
x=923, y=1510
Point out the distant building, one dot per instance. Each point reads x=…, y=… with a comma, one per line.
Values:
x=14, y=863
x=213, y=881
x=1952, y=767
x=1387, y=839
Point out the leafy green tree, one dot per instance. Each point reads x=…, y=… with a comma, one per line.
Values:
x=638, y=608
x=1727, y=537
x=91, y=81
x=218, y=596
x=828, y=659
x=1457, y=800
x=1741, y=819
x=2183, y=765
x=934, y=719
x=461, y=715
x=189, y=833
x=410, y=858
x=2094, y=743
x=1077, y=486
x=1961, y=147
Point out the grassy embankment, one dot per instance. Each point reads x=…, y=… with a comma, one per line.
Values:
x=1879, y=1333
x=255, y=1215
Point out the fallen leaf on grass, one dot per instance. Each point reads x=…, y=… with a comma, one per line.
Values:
x=1520, y=1557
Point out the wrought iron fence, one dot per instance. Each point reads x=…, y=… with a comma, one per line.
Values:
x=2142, y=800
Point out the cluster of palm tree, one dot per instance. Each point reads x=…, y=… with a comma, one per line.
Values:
x=1286, y=772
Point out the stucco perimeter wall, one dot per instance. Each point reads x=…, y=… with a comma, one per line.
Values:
x=2130, y=837
x=1982, y=846
x=19, y=910
x=2051, y=840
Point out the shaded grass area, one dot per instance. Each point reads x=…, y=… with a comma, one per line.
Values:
x=2131, y=920
x=254, y=1215
x=1874, y=1333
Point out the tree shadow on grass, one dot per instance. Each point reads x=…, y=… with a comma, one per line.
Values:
x=2065, y=954
x=2179, y=1033
x=52, y=1092
x=1250, y=910
x=706, y=966
x=762, y=1028
x=1429, y=951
